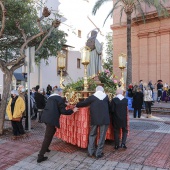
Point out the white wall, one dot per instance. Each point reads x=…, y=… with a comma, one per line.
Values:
x=49, y=73
x=34, y=77
x=74, y=72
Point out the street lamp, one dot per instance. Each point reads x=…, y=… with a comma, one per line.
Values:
x=85, y=60
x=61, y=64
x=122, y=66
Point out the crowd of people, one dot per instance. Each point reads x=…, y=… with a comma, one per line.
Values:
x=17, y=108
x=48, y=106
x=100, y=111
x=51, y=108
x=143, y=95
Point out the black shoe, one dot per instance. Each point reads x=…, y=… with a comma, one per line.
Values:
x=33, y=118
x=41, y=159
x=48, y=150
x=123, y=146
x=116, y=147
x=100, y=156
x=91, y=156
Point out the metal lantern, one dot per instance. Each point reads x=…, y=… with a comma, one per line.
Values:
x=61, y=64
x=85, y=60
x=122, y=60
x=61, y=60
x=122, y=66
x=85, y=55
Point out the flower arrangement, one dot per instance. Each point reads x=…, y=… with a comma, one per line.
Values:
x=79, y=85
x=106, y=77
x=109, y=81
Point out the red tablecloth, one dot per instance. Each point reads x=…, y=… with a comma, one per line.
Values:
x=75, y=128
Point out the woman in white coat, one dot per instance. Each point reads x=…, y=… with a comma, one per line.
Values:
x=148, y=101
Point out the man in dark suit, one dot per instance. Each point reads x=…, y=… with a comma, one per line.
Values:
x=99, y=112
x=55, y=106
x=118, y=108
x=40, y=101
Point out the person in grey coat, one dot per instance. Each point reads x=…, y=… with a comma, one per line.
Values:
x=99, y=112
x=55, y=106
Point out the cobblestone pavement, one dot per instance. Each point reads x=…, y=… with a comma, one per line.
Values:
x=148, y=149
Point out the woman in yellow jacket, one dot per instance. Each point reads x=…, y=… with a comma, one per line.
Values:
x=15, y=109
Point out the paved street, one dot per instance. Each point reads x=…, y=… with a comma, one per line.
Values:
x=148, y=149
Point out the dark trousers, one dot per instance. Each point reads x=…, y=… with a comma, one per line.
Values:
x=40, y=111
x=17, y=128
x=49, y=133
x=139, y=113
x=159, y=95
x=117, y=134
x=26, y=122
x=148, y=105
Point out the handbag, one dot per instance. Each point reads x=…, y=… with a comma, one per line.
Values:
x=18, y=119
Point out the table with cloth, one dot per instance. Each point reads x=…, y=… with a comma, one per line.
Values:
x=75, y=128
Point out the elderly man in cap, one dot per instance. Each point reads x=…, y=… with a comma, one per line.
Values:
x=55, y=106
x=99, y=112
x=15, y=109
x=119, y=111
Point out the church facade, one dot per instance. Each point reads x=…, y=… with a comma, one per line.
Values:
x=150, y=46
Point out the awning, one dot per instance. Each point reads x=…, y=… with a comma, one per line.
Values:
x=19, y=76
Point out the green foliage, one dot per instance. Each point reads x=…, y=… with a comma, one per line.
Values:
x=26, y=14
x=52, y=44
x=107, y=78
x=108, y=63
x=79, y=85
x=135, y=5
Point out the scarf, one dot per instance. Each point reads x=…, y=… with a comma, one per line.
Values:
x=100, y=95
x=120, y=96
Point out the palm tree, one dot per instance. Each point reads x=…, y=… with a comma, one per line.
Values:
x=130, y=6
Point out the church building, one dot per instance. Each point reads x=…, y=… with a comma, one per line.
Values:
x=150, y=45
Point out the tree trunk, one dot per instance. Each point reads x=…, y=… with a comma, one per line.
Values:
x=129, y=52
x=6, y=89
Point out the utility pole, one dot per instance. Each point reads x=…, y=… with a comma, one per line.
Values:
x=39, y=65
x=28, y=81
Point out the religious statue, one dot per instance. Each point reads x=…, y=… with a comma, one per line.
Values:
x=95, y=65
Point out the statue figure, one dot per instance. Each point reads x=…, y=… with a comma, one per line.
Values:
x=95, y=65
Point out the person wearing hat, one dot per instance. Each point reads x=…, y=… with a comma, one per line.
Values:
x=119, y=112
x=54, y=107
x=159, y=89
x=99, y=115
x=15, y=109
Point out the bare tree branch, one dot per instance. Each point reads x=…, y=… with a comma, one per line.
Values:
x=3, y=18
x=22, y=31
x=45, y=13
x=24, y=46
x=39, y=23
x=20, y=64
x=2, y=63
x=41, y=43
x=12, y=62
x=55, y=24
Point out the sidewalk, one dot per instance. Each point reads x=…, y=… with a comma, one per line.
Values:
x=148, y=149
